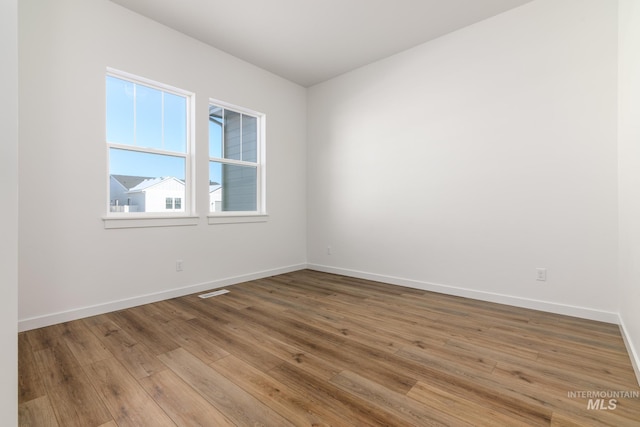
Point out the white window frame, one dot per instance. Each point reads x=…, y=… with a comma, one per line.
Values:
x=155, y=219
x=259, y=215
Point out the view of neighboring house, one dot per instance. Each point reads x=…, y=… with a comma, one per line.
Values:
x=215, y=197
x=145, y=194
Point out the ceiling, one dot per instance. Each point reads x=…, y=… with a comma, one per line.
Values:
x=310, y=41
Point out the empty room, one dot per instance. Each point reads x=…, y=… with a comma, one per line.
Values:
x=340, y=212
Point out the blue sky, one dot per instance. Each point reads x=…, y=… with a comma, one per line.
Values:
x=141, y=116
x=144, y=117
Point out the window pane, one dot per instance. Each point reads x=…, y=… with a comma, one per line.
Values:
x=148, y=117
x=215, y=187
x=169, y=203
x=175, y=123
x=237, y=190
x=232, y=142
x=125, y=162
x=249, y=139
x=119, y=111
x=215, y=173
x=215, y=131
x=143, y=182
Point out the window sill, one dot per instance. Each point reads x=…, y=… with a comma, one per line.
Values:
x=148, y=221
x=236, y=218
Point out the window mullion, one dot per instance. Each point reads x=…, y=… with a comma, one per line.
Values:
x=146, y=150
x=233, y=162
x=135, y=113
x=162, y=120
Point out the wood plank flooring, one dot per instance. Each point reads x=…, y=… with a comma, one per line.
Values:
x=315, y=349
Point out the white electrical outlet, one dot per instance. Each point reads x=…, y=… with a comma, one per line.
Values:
x=541, y=274
x=179, y=265
x=328, y=250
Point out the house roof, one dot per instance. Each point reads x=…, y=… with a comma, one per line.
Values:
x=129, y=181
x=150, y=182
x=141, y=183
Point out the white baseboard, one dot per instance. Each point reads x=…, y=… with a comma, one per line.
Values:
x=631, y=349
x=582, y=312
x=65, y=316
x=82, y=312
x=551, y=307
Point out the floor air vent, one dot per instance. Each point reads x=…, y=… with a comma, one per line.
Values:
x=214, y=293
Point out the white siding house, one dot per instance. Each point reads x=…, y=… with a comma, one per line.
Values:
x=119, y=200
x=144, y=194
x=215, y=198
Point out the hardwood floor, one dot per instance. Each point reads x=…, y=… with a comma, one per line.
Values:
x=315, y=349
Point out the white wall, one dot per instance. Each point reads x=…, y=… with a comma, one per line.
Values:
x=629, y=154
x=495, y=147
x=68, y=262
x=9, y=213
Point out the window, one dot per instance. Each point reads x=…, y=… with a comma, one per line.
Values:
x=173, y=203
x=149, y=146
x=236, y=167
